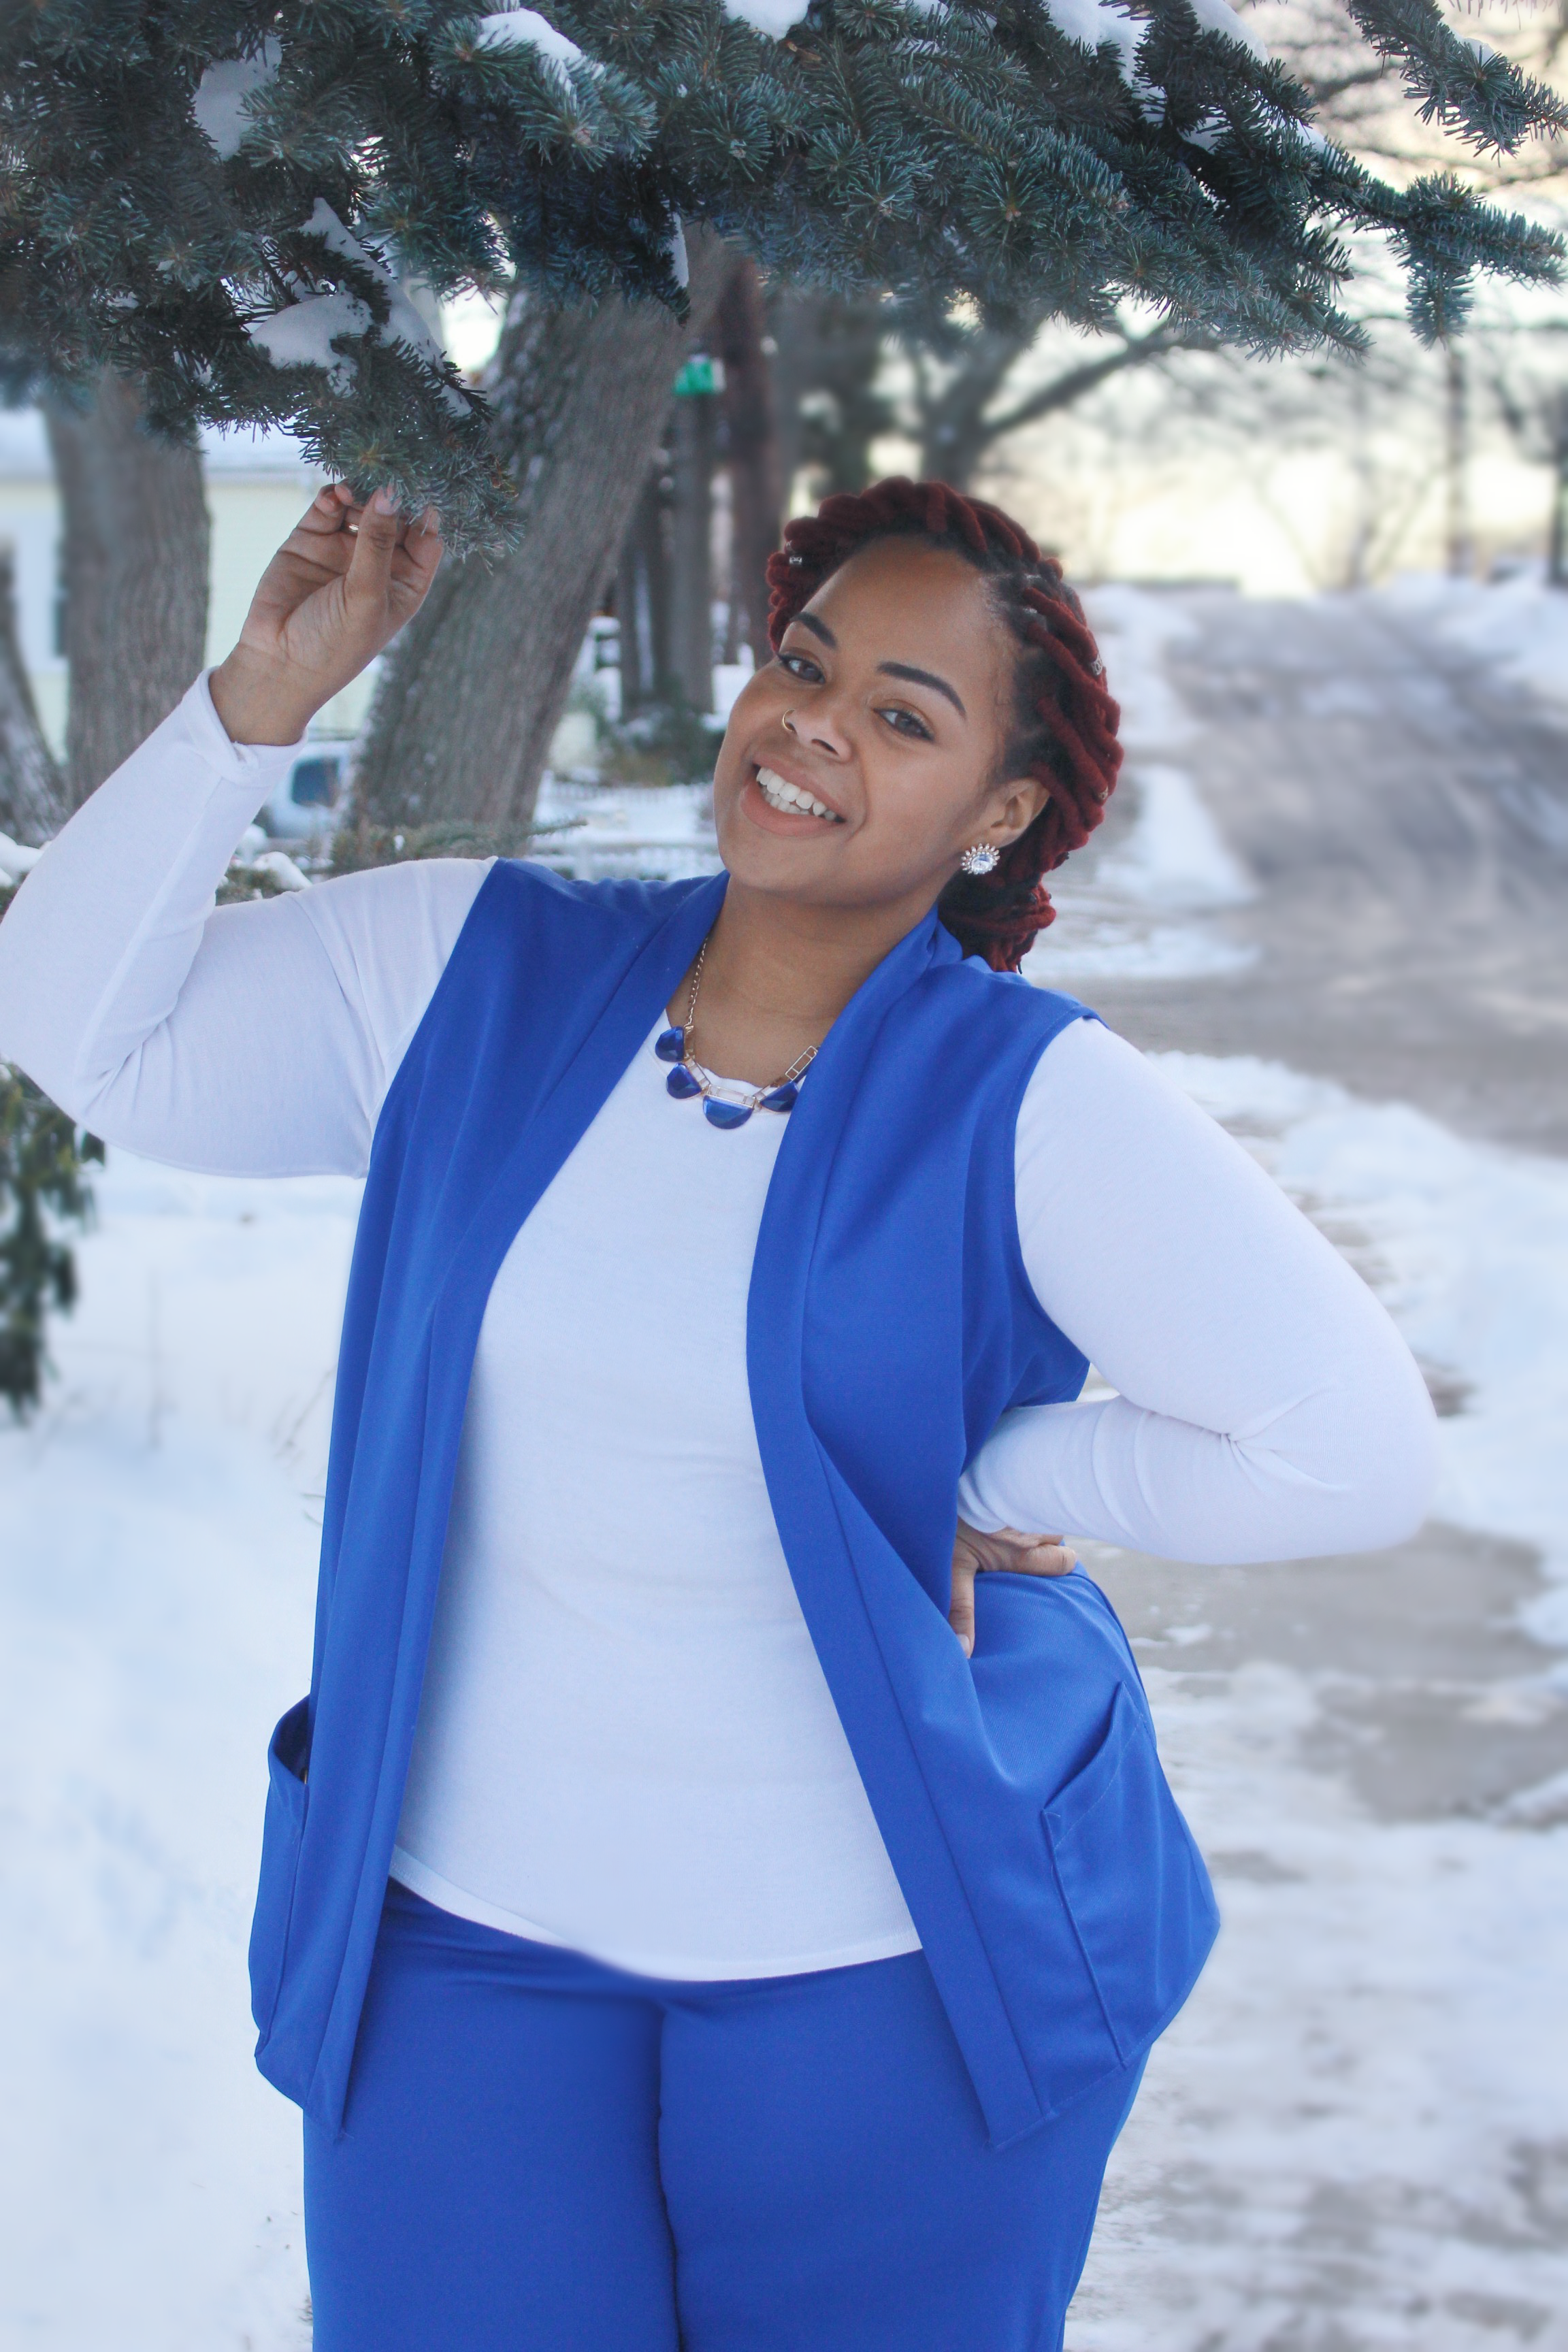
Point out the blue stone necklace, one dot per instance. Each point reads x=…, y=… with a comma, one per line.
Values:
x=688, y=1077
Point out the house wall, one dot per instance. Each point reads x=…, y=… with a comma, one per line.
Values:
x=256, y=489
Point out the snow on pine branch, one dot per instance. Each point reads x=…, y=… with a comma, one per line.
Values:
x=1219, y=17
x=303, y=335
x=219, y=102
x=773, y=17
x=525, y=28
x=1094, y=21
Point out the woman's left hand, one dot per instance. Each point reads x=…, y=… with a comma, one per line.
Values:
x=974, y=1553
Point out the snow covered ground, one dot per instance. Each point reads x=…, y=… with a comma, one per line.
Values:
x=1518, y=627
x=1354, y=2138
x=157, y=1555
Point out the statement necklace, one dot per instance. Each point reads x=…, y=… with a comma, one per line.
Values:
x=723, y=1107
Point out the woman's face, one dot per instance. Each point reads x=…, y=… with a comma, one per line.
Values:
x=862, y=762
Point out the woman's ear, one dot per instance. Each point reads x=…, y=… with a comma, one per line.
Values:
x=1017, y=805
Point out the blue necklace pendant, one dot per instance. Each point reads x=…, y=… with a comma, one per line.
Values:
x=686, y=1079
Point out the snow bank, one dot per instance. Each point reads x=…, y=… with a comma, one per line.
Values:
x=1520, y=625
x=1467, y=1245
x=1133, y=629
x=1114, y=909
x=15, y=858
x=157, y=1563
x=1176, y=856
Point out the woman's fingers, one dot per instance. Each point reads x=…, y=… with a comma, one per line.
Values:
x=1019, y=1554
x=961, y=1608
x=369, y=574
x=338, y=589
x=1005, y=1550
x=389, y=584
x=418, y=559
x=1042, y=1556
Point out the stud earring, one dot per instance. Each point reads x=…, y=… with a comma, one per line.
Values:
x=980, y=858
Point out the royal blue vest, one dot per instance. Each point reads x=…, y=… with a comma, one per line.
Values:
x=1059, y=1899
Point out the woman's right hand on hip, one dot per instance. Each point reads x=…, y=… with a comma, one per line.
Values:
x=336, y=592
x=1007, y=1550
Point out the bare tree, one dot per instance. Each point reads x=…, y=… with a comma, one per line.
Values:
x=135, y=557
x=957, y=381
x=1526, y=373
x=475, y=687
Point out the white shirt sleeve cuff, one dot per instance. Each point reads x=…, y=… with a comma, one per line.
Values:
x=247, y=763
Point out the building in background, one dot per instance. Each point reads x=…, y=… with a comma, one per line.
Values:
x=258, y=484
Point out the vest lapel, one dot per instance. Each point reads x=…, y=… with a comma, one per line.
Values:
x=865, y=1610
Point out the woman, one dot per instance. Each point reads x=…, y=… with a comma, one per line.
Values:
x=695, y=1911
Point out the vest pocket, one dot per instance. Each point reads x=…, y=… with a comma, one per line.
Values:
x=288, y=1758
x=1132, y=1880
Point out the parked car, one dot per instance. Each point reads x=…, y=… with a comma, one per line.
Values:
x=310, y=798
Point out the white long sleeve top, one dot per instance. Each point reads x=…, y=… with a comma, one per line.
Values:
x=626, y=1742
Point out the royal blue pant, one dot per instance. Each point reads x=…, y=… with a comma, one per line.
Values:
x=544, y=2155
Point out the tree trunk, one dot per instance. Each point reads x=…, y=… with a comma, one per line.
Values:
x=1460, y=549
x=694, y=437
x=642, y=599
x=137, y=546
x=1557, y=534
x=825, y=371
x=32, y=792
x=476, y=684
x=953, y=432
x=756, y=479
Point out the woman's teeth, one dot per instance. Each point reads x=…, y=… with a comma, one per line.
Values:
x=791, y=798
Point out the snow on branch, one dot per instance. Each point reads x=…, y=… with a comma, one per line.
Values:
x=304, y=334
x=219, y=103
x=773, y=17
x=525, y=28
x=1091, y=22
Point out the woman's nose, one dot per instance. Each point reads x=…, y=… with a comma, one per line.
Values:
x=820, y=731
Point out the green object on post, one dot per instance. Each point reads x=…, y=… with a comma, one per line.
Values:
x=700, y=375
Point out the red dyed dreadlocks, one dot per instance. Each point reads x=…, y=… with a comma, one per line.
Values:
x=1064, y=723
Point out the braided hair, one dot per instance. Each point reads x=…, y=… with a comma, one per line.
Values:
x=1064, y=722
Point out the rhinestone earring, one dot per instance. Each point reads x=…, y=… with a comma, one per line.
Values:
x=980, y=858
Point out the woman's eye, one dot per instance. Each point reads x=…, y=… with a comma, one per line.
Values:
x=801, y=666
x=906, y=722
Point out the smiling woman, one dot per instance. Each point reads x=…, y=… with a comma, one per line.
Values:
x=714, y=1894
x=937, y=693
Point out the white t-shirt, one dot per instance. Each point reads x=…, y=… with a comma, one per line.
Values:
x=626, y=1742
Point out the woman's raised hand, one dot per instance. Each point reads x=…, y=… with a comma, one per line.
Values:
x=338, y=589
x=974, y=1553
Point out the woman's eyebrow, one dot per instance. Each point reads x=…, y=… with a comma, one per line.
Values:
x=886, y=669
x=923, y=678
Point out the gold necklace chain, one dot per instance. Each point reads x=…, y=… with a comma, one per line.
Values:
x=705, y=1078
